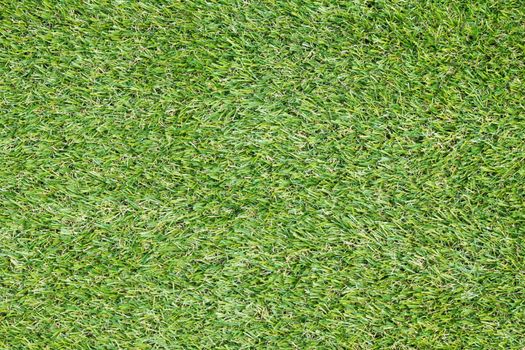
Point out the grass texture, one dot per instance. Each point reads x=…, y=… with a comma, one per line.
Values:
x=262, y=174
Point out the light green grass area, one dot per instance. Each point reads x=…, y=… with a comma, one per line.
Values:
x=262, y=174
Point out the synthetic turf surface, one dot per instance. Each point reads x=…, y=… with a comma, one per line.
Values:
x=262, y=174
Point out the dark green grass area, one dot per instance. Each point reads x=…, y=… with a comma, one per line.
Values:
x=262, y=174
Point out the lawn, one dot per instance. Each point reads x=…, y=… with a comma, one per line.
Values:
x=262, y=174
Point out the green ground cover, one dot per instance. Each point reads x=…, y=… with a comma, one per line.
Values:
x=262, y=174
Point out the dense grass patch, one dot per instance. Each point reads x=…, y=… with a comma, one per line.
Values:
x=262, y=174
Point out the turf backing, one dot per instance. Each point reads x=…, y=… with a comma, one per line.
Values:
x=262, y=174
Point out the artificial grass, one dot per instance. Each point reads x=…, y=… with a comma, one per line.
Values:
x=262, y=174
